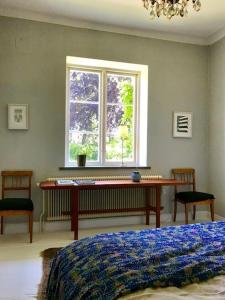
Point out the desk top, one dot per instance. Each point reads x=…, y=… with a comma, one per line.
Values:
x=107, y=184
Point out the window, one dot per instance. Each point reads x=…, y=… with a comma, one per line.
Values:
x=103, y=115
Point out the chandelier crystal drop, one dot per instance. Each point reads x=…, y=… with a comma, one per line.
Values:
x=170, y=8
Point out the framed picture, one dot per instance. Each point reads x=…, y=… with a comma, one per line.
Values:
x=17, y=116
x=182, y=124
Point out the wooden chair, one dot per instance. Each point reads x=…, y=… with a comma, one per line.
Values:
x=190, y=198
x=12, y=183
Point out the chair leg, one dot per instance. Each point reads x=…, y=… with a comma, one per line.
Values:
x=194, y=212
x=175, y=210
x=31, y=227
x=186, y=213
x=212, y=210
x=1, y=224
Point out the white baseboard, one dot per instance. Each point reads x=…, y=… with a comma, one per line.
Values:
x=12, y=228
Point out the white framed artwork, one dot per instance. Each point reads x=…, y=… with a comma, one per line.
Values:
x=18, y=116
x=182, y=124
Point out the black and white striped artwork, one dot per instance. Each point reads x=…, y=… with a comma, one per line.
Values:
x=182, y=124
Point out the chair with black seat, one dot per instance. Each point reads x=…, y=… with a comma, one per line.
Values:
x=13, y=184
x=190, y=198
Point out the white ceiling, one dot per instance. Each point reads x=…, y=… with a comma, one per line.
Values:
x=124, y=16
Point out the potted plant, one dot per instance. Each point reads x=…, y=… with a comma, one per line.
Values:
x=81, y=156
x=81, y=160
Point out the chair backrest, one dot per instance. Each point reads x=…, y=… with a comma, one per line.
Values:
x=16, y=181
x=186, y=175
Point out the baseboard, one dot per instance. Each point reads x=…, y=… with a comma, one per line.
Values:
x=12, y=228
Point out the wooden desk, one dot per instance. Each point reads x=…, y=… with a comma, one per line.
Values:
x=113, y=184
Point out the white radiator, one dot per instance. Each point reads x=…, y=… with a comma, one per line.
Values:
x=56, y=203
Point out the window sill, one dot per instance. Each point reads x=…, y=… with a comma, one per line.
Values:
x=104, y=168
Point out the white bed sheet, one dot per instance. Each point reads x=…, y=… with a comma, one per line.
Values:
x=212, y=289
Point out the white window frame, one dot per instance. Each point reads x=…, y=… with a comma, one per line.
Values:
x=140, y=115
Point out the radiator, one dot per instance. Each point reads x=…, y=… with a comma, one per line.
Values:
x=56, y=203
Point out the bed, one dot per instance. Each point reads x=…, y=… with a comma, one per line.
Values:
x=140, y=264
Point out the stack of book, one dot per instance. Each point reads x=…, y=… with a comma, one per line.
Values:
x=64, y=182
x=84, y=181
x=74, y=182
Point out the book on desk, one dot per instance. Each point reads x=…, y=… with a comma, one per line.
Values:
x=74, y=182
x=84, y=181
x=64, y=182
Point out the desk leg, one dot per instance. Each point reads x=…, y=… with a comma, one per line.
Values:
x=147, y=205
x=158, y=204
x=74, y=212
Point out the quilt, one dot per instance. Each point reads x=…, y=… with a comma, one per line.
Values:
x=108, y=266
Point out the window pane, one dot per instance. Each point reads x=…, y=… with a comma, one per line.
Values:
x=114, y=117
x=84, y=86
x=118, y=150
x=120, y=112
x=83, y=143
x=84, y=117
x=84, y=114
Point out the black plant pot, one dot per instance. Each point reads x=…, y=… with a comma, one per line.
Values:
x=81, y=160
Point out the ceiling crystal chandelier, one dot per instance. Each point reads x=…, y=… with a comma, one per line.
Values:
x=170, y=8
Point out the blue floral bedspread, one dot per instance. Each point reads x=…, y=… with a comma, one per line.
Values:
x=107, y=266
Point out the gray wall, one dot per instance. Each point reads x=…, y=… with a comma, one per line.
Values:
x=217, y=124
x=32, y=71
